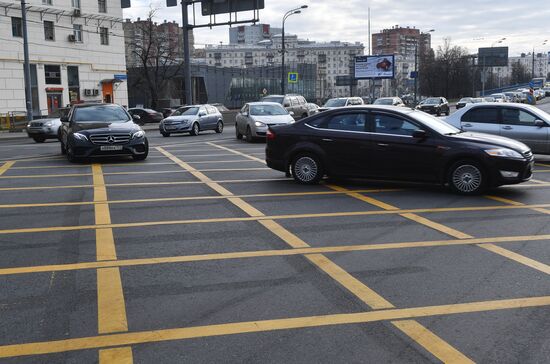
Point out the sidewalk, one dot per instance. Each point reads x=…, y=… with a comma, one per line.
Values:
x=6, y=134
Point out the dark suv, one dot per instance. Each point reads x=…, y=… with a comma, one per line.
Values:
x=95, y=130
x=435, y=105
x=296, y=104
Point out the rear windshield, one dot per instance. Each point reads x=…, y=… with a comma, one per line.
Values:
x=276, y=99
x=335, y=103
x=101, y=113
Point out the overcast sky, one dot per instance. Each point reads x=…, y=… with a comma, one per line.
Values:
x=468, y=23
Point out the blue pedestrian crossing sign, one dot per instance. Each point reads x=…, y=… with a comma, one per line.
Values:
x=293, y=77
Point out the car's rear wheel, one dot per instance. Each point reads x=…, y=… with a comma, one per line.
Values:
x=237, y=134
x=467, y=177
x=307, y=169
x=39, y=139
x=248, y=136
x=195, y=130
x=304, y=115
x=219, y=127
x=166, y=135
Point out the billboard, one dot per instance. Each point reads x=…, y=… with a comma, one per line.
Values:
x=212, y=7
x=368, y=67
x=493, y=57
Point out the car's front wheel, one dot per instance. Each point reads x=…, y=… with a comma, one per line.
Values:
x=195, y=130
x=307, y=169
x=63, y=149
x=70, y=155
x=166, y=135
x=467, y=177
x=39, y=139
x=219, y=127
x=248, y=136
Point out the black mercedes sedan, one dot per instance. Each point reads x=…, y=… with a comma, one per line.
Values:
x=392, y=143
x=96, y=130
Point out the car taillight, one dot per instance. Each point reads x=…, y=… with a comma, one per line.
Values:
x=270, y=135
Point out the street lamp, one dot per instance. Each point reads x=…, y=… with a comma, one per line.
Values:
x=287, y=14
x=533, y=56
x=416, y=65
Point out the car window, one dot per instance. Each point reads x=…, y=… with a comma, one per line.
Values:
x=394, y=125
x=347, y=122
x=211, y=109
x=202, y=110
x=302, y=100
x=101, y=113
x=486, y=115
x=514, y=116
x=294, y=101
x=244, y=110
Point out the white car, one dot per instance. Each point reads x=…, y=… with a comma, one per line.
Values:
x=392, y=101
x=255, y=117
x=341, y=102
x=42, y=129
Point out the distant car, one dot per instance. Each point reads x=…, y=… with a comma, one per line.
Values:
x=99, y=130
x=41, y=129
x=526, y=123
x=255, y=117
x=512, y=96
x=546, y=91
x=389, y=101
x=539, y=94
x=435, y=105
x=341, y=102
x=295, y=103
x=463, y=101
x=488, y=99
x=499, y=97
x=477, y=100
x=312, y=108
x=392, y=143
x=192, y=119
x=146, y=115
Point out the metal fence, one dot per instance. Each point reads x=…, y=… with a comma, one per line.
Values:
x=13, y=121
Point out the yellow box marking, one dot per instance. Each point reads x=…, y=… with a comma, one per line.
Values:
x=116, y=356
x=111, y=308
x=106, y=341
x=48, y=176
x=105, y=242
x=517, y=257
x=6, y=166
x=237, y=152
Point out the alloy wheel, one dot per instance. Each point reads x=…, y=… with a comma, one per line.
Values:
x=467, y=178
x=306, y=169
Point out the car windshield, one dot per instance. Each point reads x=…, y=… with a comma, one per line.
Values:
x=383, y=102
x=186, y=111
x=435, y=124
x=101, y=113
x=260, y=110
x=277, y=99
x=432, y=101
x=466, y=99
x=335, y=103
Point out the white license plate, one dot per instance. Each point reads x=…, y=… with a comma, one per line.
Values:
x=110, y=147
x=171, y=128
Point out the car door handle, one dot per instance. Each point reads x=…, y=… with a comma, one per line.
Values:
x=383, y=145
x=328, y=140
x=507, y=127
x=467, y=125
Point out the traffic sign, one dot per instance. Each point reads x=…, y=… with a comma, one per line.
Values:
x=414, y=74
x=293, y=77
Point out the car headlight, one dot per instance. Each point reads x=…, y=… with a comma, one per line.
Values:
x=503, y=152
x=259, y=123
x=138, y=134
x=81, y=137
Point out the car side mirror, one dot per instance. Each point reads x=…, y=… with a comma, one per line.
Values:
x=540, y=123
x=64, y=119
x=202, y=113
x=286, y=104
x=420, y=134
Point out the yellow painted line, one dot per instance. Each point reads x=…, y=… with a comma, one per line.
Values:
x=237, y=152
x=54, y=166
x=267, y=217
x=408, y=215
x=517, y=257
x=116, y=356
x=439, y=348
x=542, y=165
x=105, y=242
x=516, y=203
x=6, y=166
x=188, y=198
x=142, y=337
x=298, y=249
x=346, y=280
x=541, y=171
x=538, y=181
x=111, y=307
x=48, y=176
x=205, y=155
x=220, y=162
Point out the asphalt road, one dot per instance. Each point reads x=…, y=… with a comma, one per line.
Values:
x=201, y=254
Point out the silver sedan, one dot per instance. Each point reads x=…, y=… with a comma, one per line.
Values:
x=255, y=117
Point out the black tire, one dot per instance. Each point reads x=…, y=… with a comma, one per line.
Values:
x=248, y=136
x=438, y=112
x=63, y=150
x=39, y=139
x=219, y=127
x=448, y=112
x=195, y=129
x=70, y=156
x=467, y=177
x=140, y=157
x=166, y=135
x=237, y=134
x=307, y=169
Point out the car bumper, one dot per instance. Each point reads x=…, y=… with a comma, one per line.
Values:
x=509, y=172
x=44, y=131
x=175, y=128
x=133, y=148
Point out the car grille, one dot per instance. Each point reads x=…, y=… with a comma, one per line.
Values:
x=36, y=124
x=110, y=139
x=528, y=154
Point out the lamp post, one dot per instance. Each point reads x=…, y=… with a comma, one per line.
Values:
x=416, y=65
x=533, y=56
x=287, y=14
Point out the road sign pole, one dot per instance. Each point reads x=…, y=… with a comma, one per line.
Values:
x=186, y=56
x=26, y=63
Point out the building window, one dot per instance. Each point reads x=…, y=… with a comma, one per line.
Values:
x=74, y=84
x=75, y=4
x=47, y=2
x=77, y=32
x=16, y=27
x=104, y=36
x=49, y=30
x=53, y=74
x=102, y=5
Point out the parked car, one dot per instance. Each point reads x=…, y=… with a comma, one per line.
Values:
x=435, y=105
x=295, y=103
x=192, y=119
x=98, y=130
x=524, y=123
x=41, y=129
x=341, y=102
x=146, y=115
x=312, y=108
x=255, y=117
x=395, y=144
x=463, y=101
x=390, y=101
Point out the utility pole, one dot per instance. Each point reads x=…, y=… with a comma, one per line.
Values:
x=533, y=65
x=186, y=56
x=283, y=73
x=26, y=62
x=416, y=73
